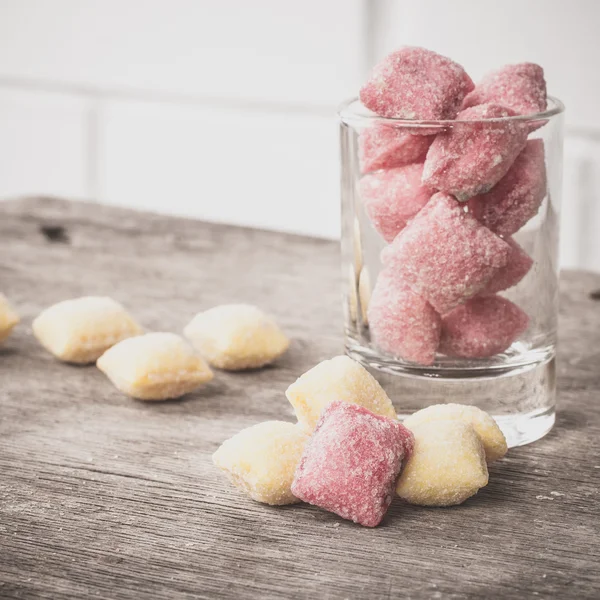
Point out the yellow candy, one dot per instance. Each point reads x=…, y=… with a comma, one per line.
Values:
x=446, y=467
x=8, y=318
x=486, y=428
x=340, y=378
x=261, y=460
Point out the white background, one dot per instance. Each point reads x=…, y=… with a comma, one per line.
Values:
x=225, y=109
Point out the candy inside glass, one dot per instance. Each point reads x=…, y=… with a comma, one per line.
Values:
x=517, y=385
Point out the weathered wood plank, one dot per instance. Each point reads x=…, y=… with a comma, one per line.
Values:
x=101, y=496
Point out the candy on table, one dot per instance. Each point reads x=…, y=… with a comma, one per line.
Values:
x=491, y=436
x=520, y=87
x=340, y=378
x=391, y=198
x=482, y=327
x=154, y=366
x=364, y=294
x=415, y=83
x=236, y=337
x=471, y=157
x=261, y=460
x=8, y=318
x=82, y=329
x=385, y=146
x=518, y=195
x=518, y=265
x=446, y=467
x=351, y=463
x=445, y=255
x=401, y=322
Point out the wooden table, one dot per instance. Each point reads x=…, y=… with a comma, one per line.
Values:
x=105, y=497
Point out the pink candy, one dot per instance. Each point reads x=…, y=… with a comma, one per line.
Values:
x=482, y=327
x=401, y=322
x=414, y=83
x=518, y=265
x=517, y=196
x=521, y=88
x=393, y=197
x=384, y=146
x=351, y=463
x=470, y=159
x=445, y=255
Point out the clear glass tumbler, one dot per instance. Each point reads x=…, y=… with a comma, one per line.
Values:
x=462, y=297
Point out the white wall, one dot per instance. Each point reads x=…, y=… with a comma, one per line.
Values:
x=225, y=109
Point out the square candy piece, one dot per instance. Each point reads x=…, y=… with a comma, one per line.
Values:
x=235, y=337
x=154, y=366
x=445, y=255
x=401, y=322
x=8, y=318
x=383, y=146
x=446, y=467
x=520, y=87
x=81, y=330
x=340, y=378
x=482, y=327
x=391, y=198
x=351, y=463
x=415, y=83
x=472, y=156
x=261, y=460
x=518, y=265
x=517, y=197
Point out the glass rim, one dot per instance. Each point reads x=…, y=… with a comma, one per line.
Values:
x=347, y=115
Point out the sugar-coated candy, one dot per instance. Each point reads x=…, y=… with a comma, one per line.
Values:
x=236, y=337
x=339, y=378
x=8, y=318
x=520, y=87
x=482, y=327
x=401, y=322
x=385, y=146
x=445, y=255
x=82, y=329
x=473, y=155
x=517, y=266
x=261, y=460
x=491, y=436
x=351, y=463
x=415, y=83
x=446, y=467
x=154, y=366
x=518, y=195
x=391, y=198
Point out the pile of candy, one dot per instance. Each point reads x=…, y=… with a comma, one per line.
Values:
x=446, y=199
x=349, y=454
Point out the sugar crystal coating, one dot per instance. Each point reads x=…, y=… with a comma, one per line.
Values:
x=385, y=146
x=236, y=337
x=351, y=463
x=340, y=378
x=82, y=329
x=8, y=318
x=261, y=460
x=482, y=327
x=470, y=158
x=446, y=467
x=491, y=436
x=518, y=196
x=415, y=83
x=520, y=87
x=391, y=198
x=154, y=366
x=445, y=255
x=517, y=266
x=401, y=322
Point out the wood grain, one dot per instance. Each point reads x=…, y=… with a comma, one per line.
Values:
x=105, y=497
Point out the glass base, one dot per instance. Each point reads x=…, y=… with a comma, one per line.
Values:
x=521, y=396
